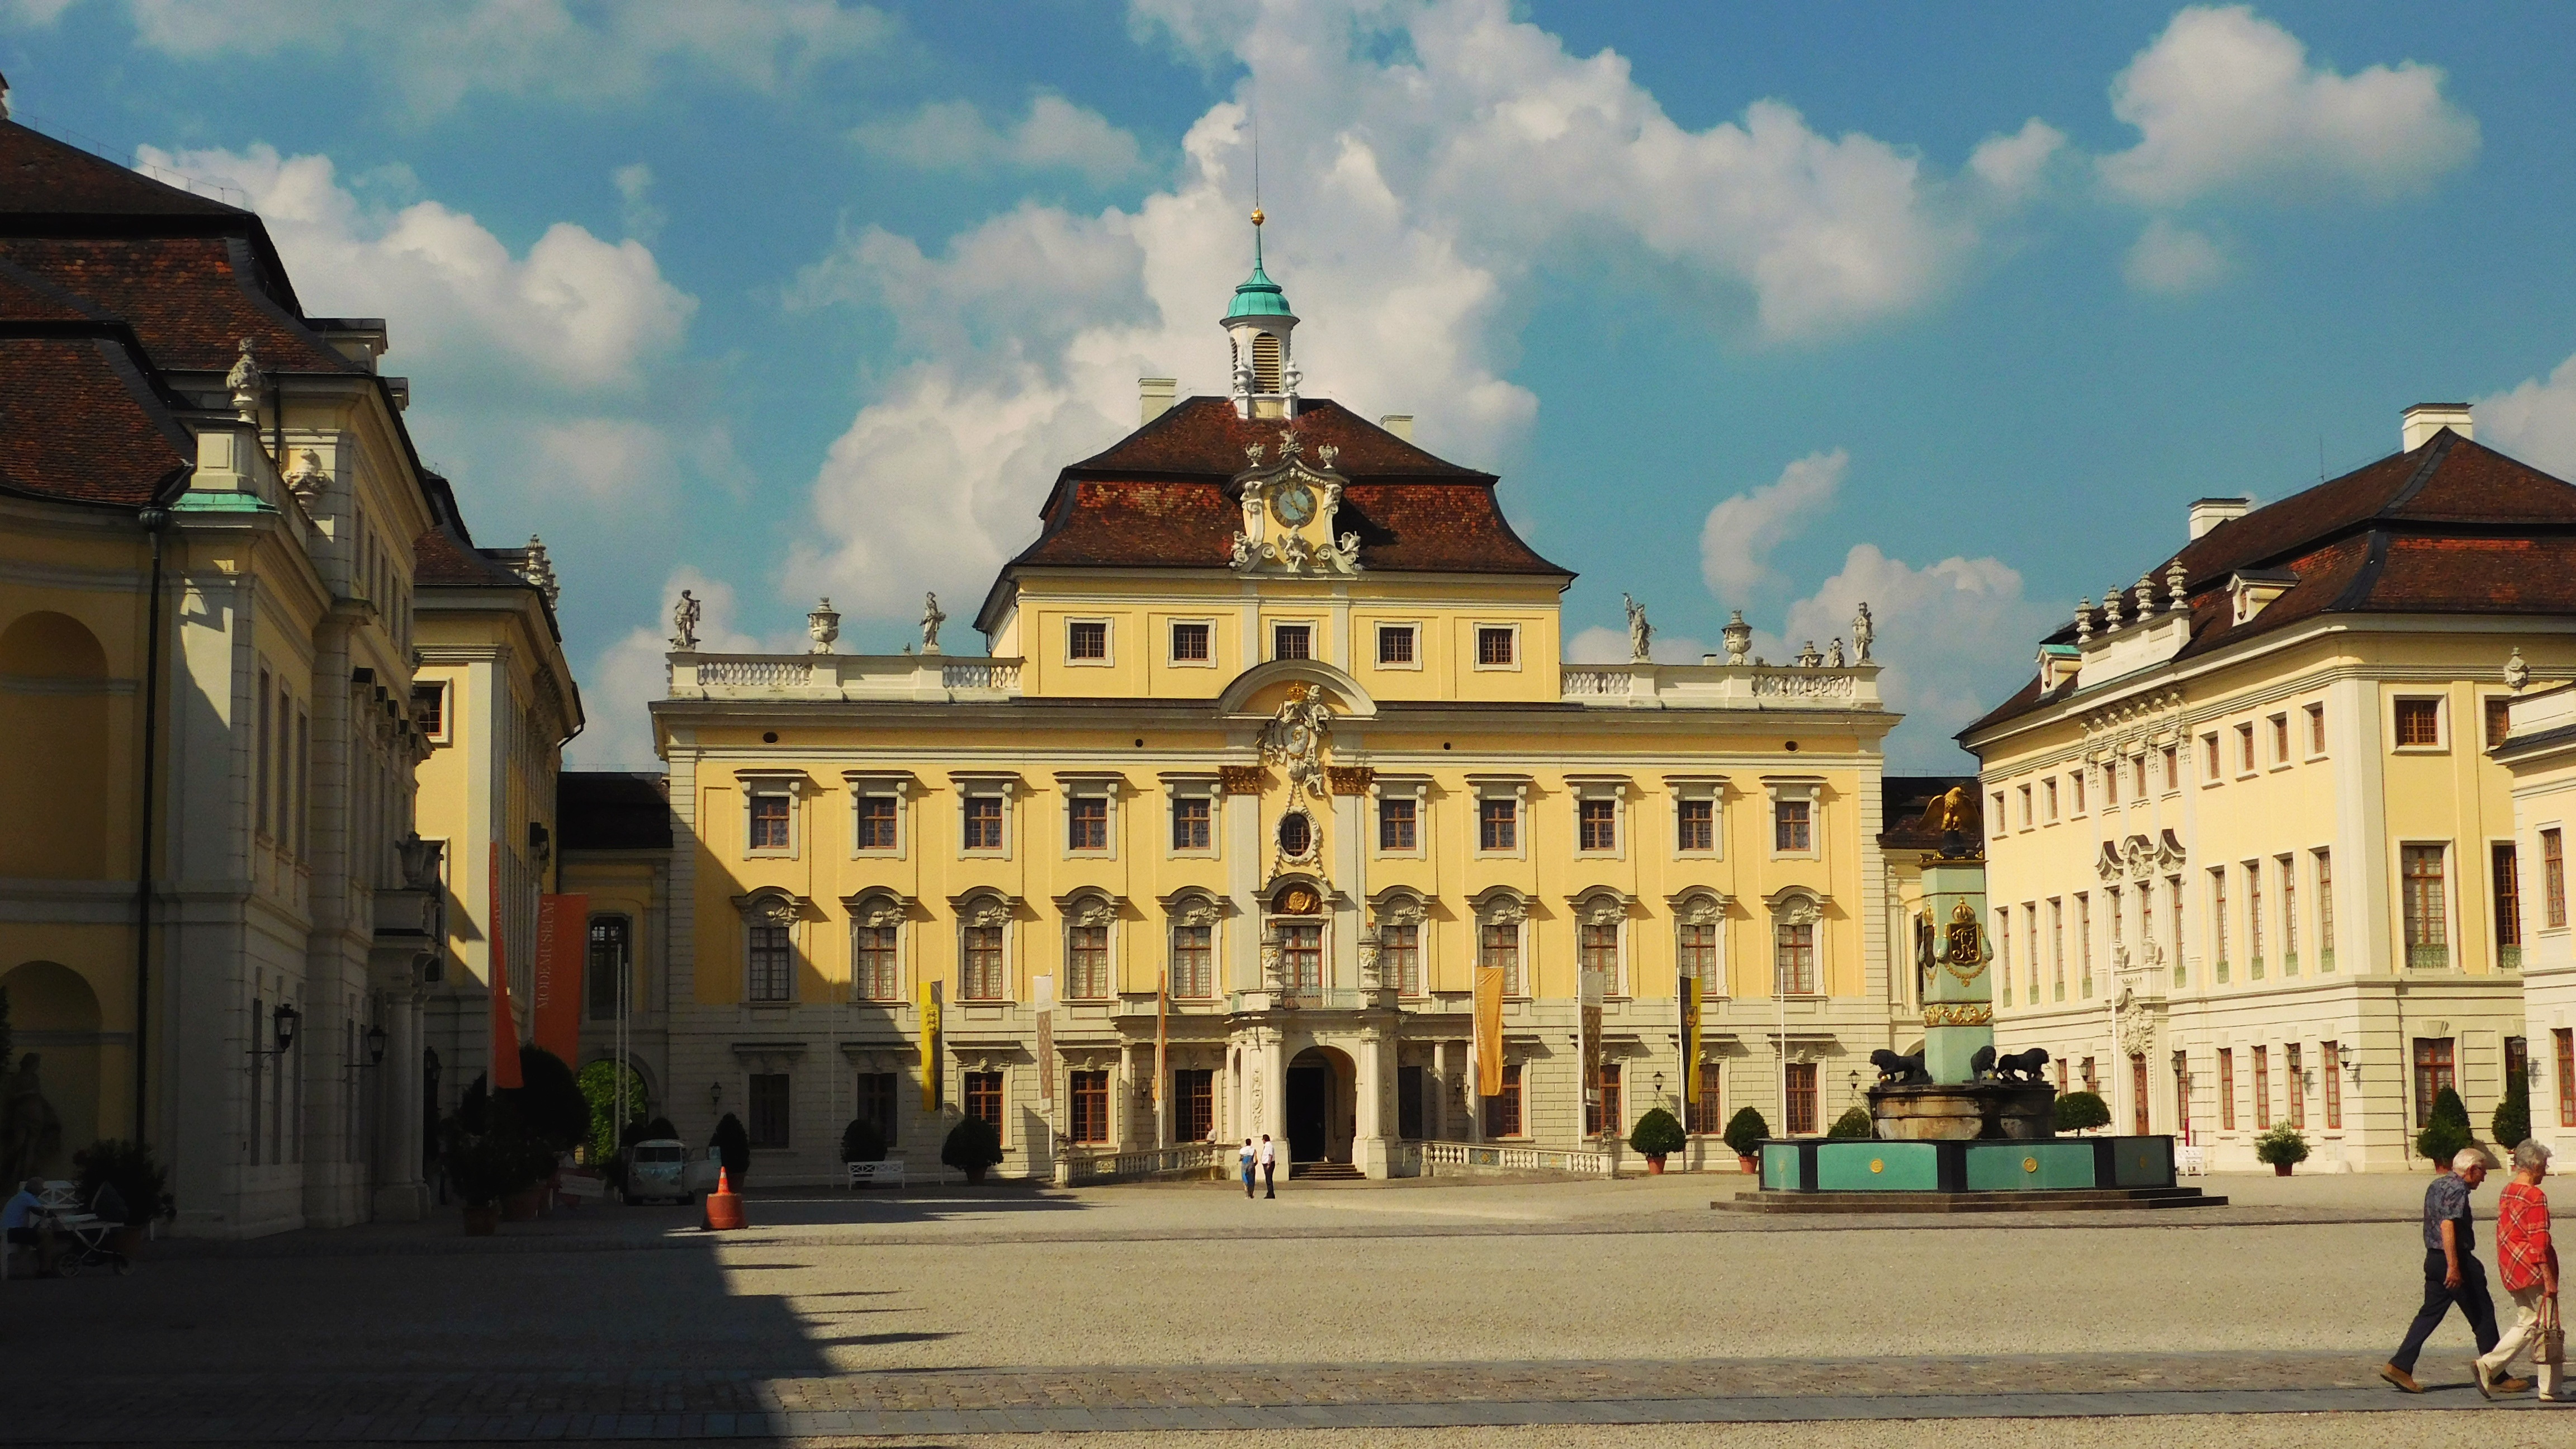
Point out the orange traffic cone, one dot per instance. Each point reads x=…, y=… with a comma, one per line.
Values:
x=723, y=1209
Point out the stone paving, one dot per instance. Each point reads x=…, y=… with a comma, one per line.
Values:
x=1170, y=1311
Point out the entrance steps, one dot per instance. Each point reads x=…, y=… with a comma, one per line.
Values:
x=1326, y=1172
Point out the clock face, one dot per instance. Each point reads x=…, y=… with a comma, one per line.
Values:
x=1294, y=505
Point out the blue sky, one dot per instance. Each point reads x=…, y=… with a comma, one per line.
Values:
x=1770, y=307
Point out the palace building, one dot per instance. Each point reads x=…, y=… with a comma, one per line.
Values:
x=1272, y=760
x=2250, y=859
x=219, y=927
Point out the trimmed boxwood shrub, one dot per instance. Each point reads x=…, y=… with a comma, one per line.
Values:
x=2283, y=1146
x=2449, y=1134
x=862, y=1142
x=1745, y=1131
x=2081, y=1112
x=1658, y=1134
x=2512, y=1120
x=733, y=1148
x=972, y=1145
x=1854, y=1122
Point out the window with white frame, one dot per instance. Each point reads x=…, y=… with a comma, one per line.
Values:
x=877, y=812
x=1797, y=920
x=1600, y=921
x=1498, y=646
x=1399, y=824
x=876, y=948
x=1193, y=945
x=1697, y=918
x=1193, y=823
x=2425, y=894
x=1695, y=815
x=1500, y=919
x=1086, y=641
x=1194, y=643
x=1795, y=826
x=2316, y=714
x=1292, y=641
x=1500, y=802
x=1399, y=942
x=1399, y=646
x=983, y=924
x=2416, y=723
x=769, y=946
x=769, y=807
x=1087, y=922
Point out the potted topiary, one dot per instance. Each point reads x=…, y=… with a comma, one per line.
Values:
x=973, y=1147
x=487, y=1168
x=2449, y=1134
x=862, y=1142
x=2082, y=1112
x=1658, y=1135
x=128, y=1167
x=733, y=1149
x=2284, y=1147
x=1744, y=1133
x=2512, y=1120
x=1854, y=1122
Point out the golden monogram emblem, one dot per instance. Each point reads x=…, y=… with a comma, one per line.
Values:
x=1964, y=951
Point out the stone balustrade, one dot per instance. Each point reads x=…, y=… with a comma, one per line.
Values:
x=1720, y=686
x=924, y=677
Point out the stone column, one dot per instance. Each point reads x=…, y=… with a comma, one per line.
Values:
x=400, y=1195
x=1372, y=1080
x=1958, y=1016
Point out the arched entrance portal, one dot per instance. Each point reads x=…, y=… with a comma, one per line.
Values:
x=1320, y=1105
x=54, y=1022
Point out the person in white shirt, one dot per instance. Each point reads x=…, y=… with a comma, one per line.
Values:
x=1247, y=1155
x=1269, y=1158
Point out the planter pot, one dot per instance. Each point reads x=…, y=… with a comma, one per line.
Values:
x=976, y=1174
x=1655, y=1165
x=2280, y=1169
x=520, y=1207
x=1748, y=1163
x=482, y=1222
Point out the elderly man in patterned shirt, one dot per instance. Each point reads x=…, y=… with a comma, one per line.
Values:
x=2452, y=1273
x=2528, y=1261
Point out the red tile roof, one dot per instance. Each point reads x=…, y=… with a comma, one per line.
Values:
x=2452, y=527
x=1160, y=498
x=190, y=298
x=445, y=556
x=80, y=421
x=42, y=176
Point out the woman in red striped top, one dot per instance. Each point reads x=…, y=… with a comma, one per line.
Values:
x=2530, y=1266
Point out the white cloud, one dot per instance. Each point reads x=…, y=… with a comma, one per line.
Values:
x=2015, y=165
x=1438, y=157
x=618, y=690
x=642, y=218
x=1736, y=540
x=1600, y=645
x=2535, y=421
x=1056, y=133
x=2176, y=260
x=587, y=51
x=2226, y=101
x=1953, y=638
x=576, y=314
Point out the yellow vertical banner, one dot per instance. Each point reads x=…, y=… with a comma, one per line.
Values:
x=930, y=1025
x=1690, y=994
x=1162, y=1035
x=1489, y=1031
x=1042, y=997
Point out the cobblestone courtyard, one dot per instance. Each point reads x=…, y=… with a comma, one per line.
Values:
x=1526, y=1313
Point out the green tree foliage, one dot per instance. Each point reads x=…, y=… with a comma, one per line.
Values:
x=733, y=1148
x=2512, y=1121
x=497, y=1161
x=130, y=1168
x=2449, y=1133
x=2081, y=1112
x=1745, y=1131
x=1854, y=1122
x=1658, y=1134
x=2284, y=1145
x=972, y=1145
x=862, y=1142
x=599, y=1089
x=549, y=1100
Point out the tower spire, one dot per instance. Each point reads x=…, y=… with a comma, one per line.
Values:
x=1258, y=323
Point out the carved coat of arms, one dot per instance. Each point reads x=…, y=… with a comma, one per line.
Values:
x=1964, y=949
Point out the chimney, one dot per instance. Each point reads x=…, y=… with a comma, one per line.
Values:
x=1400, y=424
x=2423, y=420
x=2208, y=513
x=1154, y=397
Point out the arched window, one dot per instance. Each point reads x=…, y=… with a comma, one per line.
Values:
x=1088, y=918
x=1502, y=920
x=1194, y=917
x=1797, y=931
x=876, y=947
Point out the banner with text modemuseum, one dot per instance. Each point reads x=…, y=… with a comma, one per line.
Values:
x=1489, y=1031
x=563, y=938
x=930, y=1083
x=505, y=1021
x=1690, y=998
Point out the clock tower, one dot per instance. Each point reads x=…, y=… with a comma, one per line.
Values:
x=1258, y=324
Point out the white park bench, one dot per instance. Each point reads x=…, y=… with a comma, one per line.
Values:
x=876, y=1174
x=2192, y=1161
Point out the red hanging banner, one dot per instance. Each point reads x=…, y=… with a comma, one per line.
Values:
x=505, y=1022
x=563, y=937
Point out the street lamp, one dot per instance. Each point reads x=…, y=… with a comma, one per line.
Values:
x=282, y=1022
x=715, y=1095
x=376, y=1045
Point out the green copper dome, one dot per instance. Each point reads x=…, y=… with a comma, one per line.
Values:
x=1258, y=296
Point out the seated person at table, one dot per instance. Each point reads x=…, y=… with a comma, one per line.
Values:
x=28, y=1225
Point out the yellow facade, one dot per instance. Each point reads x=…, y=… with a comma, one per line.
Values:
x=2540, y=754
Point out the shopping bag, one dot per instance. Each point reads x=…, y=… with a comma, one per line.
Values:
x=2553, y=1335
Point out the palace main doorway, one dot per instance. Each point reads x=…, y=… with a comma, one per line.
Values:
x=1318, y=1105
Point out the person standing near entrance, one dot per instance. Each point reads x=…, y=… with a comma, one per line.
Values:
x=2528, y=1261
x=1247, y=1155
x=1269, y=1166
x=2452, y=1274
